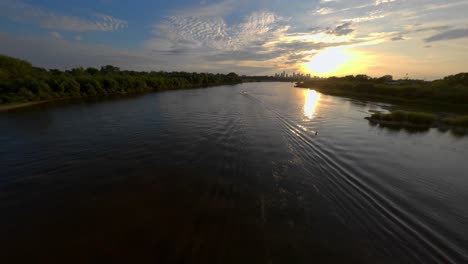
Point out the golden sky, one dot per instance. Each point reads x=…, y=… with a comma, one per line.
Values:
x=422, y=38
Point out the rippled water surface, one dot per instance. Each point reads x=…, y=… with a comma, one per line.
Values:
x=232, y=174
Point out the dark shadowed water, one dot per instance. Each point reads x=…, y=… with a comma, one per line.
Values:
x=220, y=176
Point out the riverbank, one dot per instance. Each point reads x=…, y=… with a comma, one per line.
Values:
x=21, y=105
x=420, y=120
x=427, y=105
x=13, y=106
x=448, y=94
x=22, y=84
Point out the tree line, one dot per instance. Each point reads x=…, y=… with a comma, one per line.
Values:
x=20, y=81
x=452, y=89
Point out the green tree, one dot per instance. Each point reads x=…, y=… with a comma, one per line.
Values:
x=109, y=69
x=20, y=81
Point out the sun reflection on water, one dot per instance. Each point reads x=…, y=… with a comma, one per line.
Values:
x=312, y=99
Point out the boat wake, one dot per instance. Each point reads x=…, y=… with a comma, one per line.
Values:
x=363, y=203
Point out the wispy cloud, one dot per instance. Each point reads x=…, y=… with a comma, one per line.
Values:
x=397, y=37
x=56, y=35
x=254, y=37
x=418, y=28
x=25, y=13
x=214, y=32
x=341, y=30
x=262, y=38
x=428, y=20
x=449, y=35
x=332, y=7
x=55, y=53
x=209, y=10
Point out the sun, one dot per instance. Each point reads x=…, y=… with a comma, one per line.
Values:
x=330, y=61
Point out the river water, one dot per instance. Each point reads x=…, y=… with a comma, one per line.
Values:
x=230, y=174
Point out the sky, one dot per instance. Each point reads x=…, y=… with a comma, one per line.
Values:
x=425, y=39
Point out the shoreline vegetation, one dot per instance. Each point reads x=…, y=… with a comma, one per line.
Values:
x=420, y=120
x=11, y=106
x=449, y=93
x=23, y=85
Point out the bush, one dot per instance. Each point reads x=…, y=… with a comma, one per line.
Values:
x=376, y=116
x=403, y=116
x=420, y=118
x=456, y=121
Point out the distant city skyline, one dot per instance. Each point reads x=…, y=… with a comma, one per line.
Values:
x=298, y=75
x=426, y=38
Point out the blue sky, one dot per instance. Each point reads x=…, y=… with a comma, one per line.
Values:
x=426, y=39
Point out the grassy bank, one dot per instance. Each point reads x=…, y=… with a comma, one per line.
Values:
x=450, y=92
x=419, y=119
x=461, y=121
x=415, y=118
x=22, y=84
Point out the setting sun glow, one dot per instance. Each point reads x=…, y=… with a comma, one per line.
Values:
x=330, y=61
